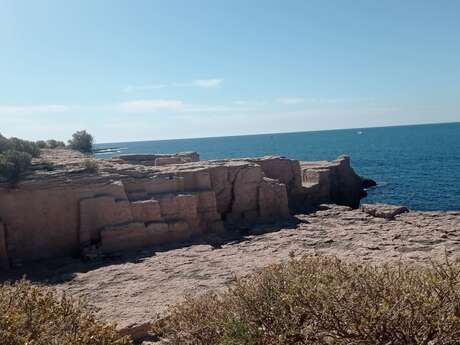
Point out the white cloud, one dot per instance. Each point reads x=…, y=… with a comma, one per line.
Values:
x=252, y=103
x=149, y=105
x=207, y=83
x=290, y=100
x=147, y=87
x=201, y=83
x=34, y=109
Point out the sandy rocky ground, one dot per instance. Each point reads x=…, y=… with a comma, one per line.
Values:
x=133, y=288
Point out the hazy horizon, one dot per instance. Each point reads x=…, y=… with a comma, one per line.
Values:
x=274, y=133
x=161, y=70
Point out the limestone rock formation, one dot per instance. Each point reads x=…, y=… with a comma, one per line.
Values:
x=133, y=290
x=133, y=201
x=159, y=159
x=332, y=182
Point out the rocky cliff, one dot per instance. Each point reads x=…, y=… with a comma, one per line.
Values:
x=65, y=208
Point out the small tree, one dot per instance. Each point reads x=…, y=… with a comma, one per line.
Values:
x=82, y=141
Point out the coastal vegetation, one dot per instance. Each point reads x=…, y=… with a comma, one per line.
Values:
x=82, y=141
x=90, y=166
x=15, y=157
x=36, y=315
x=16, y=154
x=325, y=301
x=50, y=144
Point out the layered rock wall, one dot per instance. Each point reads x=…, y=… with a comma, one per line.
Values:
x=331, y=182
x=159, y=159
x=130, y=206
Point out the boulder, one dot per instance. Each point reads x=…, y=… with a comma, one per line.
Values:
x=146, y=211
x=383, y=211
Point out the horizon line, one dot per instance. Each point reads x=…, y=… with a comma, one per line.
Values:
x=288, y=132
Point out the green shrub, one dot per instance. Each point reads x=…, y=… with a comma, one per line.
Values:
x=90, y=165
x=82, y=141
x=36, y=315
x=41, y=144
x=50, y=144
x=30, y=147
x=4, y=144
x=13, y=165
x=55, y=144
x=323, y=301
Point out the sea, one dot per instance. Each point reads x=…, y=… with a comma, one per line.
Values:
x=417, y=166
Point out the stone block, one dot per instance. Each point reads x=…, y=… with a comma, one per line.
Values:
x=146, y=210
x=96, y=213
x=168, y=205
x=187, y=205
x=158, y=232
x=245, y=189
x=168, y=160
x=179, y=231
x=196, y=180
x=124, y=237
x=206, y=201
x=273, y=200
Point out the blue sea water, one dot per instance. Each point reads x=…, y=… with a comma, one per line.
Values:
x=417, y=166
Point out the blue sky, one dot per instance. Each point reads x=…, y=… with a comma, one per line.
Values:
x=135, y=70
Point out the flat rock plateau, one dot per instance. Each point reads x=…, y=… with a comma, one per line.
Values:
x=132, y=289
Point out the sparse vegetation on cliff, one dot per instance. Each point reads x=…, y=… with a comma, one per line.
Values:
x=13, y=165
x=325, y=301
x=82, y=141
x=90, y=166
x=15, y=157
x=50, y=144
x=16, y=144
x=36, y=315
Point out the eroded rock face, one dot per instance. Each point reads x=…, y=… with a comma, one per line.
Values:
x=332, y=182
x=68, y=211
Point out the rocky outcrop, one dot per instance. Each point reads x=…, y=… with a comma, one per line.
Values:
x=70, y=211
x=159, y=159
x=332, y=182
x=384, y=211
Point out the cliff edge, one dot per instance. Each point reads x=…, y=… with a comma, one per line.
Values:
x=67, y=207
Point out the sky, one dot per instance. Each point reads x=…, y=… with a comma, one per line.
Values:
x=147, y=69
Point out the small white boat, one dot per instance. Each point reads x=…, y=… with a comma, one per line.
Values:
x=359, y=132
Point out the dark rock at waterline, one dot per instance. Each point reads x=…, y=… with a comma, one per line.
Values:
x=367, y=183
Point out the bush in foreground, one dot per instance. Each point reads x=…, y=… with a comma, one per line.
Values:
x=82, y=141
x=325, y=301
x=34, y=315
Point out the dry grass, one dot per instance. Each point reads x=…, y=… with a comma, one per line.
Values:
x=31, y=315
x=90, y=166
x=317, y=300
